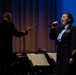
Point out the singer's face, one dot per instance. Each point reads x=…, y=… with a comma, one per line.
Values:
x=64, y=19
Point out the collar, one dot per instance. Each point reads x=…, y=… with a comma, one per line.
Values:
x=66, y=26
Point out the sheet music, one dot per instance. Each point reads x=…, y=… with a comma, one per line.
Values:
x=53, y=56
x=38, y=59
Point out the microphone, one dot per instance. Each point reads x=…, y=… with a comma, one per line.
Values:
x=55, y=24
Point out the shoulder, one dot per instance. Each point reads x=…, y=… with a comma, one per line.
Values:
x=74, y=27
x=71, y=27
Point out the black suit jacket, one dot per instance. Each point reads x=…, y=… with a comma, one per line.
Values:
x=7, y=31
x=68, y=39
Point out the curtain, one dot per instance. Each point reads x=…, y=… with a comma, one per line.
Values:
x=38, y=14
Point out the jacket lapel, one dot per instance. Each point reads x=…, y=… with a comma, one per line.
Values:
x=69, y=29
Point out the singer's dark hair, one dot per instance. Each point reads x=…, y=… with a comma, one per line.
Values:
x=70, y=17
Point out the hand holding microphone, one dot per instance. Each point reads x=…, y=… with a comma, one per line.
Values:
x=55, y=23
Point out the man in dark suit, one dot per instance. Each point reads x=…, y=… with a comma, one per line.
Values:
x=7, y=30
x=65, y=38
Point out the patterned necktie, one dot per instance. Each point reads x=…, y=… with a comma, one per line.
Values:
x=60, y=35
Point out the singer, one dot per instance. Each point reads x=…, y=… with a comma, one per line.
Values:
x=65, y=39
x=7, y=30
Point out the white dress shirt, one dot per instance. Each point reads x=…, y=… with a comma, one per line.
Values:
x=61, y=33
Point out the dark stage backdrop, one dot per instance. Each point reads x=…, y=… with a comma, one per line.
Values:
x=28, y=13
